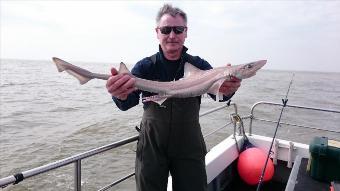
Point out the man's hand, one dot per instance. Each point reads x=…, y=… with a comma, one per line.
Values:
x=120, y=85
x=230, y=86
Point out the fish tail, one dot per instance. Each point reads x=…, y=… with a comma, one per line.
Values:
x=81, y=74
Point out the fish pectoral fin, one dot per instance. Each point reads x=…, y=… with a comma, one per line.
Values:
x=215, y=89
x=191, y=70
x=82, y=79
x=161, y=101
x=156, y=98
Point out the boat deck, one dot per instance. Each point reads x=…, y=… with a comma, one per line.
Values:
x=305, y=182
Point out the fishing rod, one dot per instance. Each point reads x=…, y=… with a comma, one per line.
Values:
x=284, y=102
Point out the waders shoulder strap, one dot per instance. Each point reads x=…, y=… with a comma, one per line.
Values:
x=154, y=58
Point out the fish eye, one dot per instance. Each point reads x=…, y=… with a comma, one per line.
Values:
x=248, y=66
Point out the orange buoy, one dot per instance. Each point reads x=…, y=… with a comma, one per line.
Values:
x=250, y=164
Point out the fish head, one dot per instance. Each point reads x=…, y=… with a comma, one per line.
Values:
x=247, y=70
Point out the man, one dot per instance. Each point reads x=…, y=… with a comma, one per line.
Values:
x=170, y=137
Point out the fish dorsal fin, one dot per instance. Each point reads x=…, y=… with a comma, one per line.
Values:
x=191, y=70
x=123, y=69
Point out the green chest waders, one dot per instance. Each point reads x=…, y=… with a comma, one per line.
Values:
x=171, y=140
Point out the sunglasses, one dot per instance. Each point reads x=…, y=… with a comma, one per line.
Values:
x=168, y=29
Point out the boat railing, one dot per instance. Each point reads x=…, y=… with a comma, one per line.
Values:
x=77, y=159
x=252, y=116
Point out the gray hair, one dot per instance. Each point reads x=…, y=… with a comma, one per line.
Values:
x=173, y=11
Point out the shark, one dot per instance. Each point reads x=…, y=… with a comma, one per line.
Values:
x=195, y=82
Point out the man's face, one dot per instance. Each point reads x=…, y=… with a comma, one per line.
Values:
x=172, y=42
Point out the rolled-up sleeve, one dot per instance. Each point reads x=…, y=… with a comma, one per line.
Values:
x=131, y=101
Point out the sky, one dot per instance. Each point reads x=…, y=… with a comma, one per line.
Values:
x=291, y=35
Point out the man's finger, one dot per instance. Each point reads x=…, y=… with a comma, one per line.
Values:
x=114, y=83
x=128, y=91
x=129, y=84
x=124, y=94
x=112, y=80
x=234, y=79
x=228, y=90
x=126, y=88
x=122, y=80
x=231, y=83
x=114, y=71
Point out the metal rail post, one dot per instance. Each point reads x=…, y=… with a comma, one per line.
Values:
x=77, y=175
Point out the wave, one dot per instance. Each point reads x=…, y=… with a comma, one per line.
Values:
x=10, y=84
x=64, y=109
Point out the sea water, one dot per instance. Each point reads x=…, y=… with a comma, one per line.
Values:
x=46, y=116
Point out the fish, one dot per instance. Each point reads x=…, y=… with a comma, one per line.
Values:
x=195, y=82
